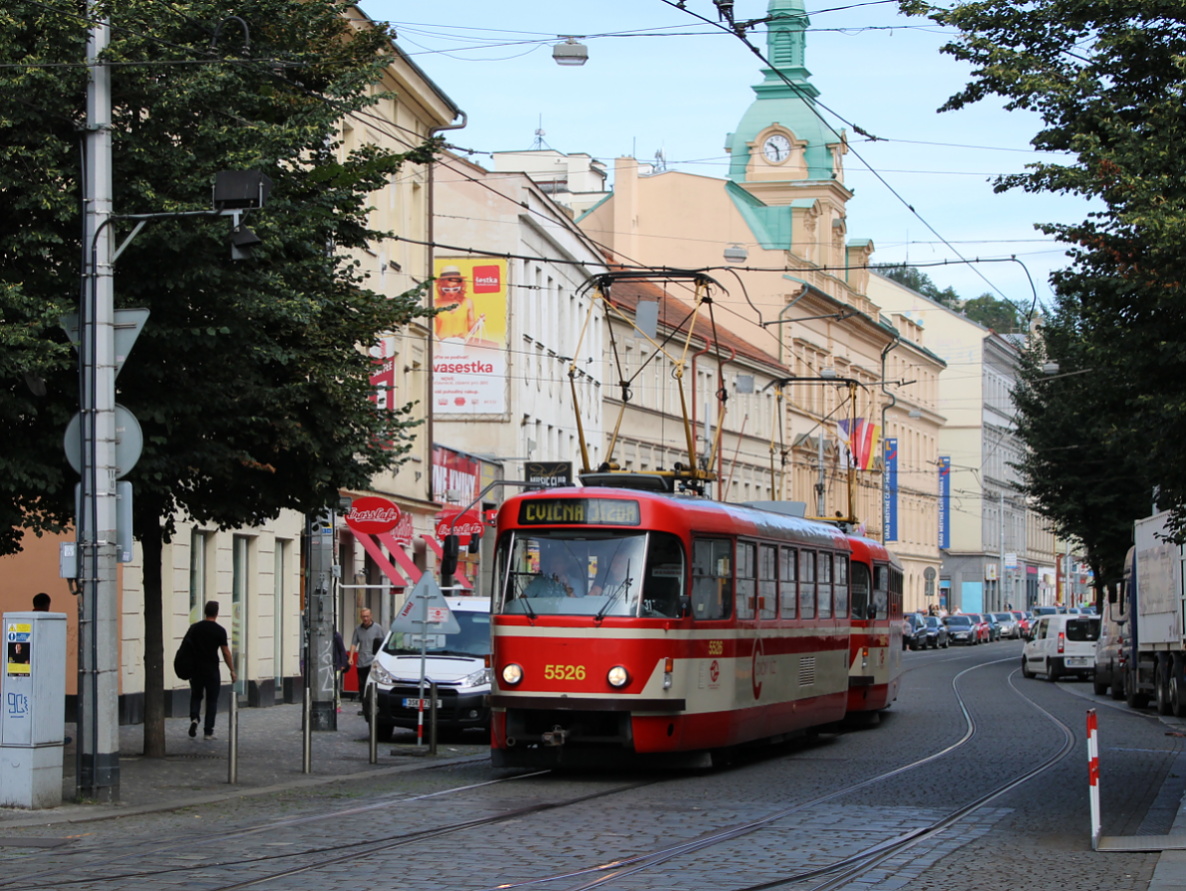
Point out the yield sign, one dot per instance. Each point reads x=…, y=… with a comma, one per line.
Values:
x=425, y=611
x=128, y=324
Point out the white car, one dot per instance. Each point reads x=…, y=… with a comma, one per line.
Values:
x=458, y=663
x=1061, y=644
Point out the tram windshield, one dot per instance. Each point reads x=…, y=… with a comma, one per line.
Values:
x=578, y=573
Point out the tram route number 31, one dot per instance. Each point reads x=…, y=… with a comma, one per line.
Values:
x=564, y=672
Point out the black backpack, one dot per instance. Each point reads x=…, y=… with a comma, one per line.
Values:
x=185, y=663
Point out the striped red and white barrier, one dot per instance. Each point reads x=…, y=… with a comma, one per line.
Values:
x=1093, y=777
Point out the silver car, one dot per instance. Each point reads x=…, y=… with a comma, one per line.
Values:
x=1008, y=623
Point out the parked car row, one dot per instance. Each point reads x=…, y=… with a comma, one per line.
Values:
x=922, y=631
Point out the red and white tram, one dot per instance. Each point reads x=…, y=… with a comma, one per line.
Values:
x=630, y=624
x=875, y=645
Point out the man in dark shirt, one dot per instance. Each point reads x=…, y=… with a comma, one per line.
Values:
x=208, y=638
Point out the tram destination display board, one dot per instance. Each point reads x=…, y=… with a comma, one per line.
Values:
x=579, y=512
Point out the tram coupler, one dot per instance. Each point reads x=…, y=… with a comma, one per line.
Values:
x=557, y=736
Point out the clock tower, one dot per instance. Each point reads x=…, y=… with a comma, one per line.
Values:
x=786, y=167
x=782, y=138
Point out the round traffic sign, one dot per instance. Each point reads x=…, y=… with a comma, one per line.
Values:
x=129, y=441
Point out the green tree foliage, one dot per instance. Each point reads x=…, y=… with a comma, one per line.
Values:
x=999, y=315
x=251, y=380
x=1083, y=471
x=917, y=280
x=1108, y=81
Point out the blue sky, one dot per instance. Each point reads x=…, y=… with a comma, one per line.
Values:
x=659, y=79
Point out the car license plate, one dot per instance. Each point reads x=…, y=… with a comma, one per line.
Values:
x=415, y=703
x=1076, y=660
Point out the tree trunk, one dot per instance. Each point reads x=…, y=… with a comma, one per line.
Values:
x=151, y=544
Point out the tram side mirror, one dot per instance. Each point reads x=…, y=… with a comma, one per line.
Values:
x=685, y=606
x=450, y=548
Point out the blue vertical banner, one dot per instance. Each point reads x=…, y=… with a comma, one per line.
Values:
x=889, y=491
x=944, y=502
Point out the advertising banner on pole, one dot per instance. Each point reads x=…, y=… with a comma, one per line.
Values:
x=944, y=502
x=890, y=488
x=469, y=368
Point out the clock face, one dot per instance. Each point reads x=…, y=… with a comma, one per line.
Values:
x=776, y=148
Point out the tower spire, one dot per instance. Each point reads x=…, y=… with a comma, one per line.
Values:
x=786, y=45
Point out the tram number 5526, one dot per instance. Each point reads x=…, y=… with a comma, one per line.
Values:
x=564, y=672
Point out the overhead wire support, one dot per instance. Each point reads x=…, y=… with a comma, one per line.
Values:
x=691, y=477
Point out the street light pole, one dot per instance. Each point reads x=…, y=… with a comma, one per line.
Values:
x=97, y=767
x=1001, y=553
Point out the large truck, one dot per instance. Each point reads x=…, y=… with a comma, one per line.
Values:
x=1142, y=645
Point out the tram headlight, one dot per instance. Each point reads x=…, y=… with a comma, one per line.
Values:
x=618, y=676
x=512, y=674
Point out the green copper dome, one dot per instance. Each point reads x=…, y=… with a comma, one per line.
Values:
x=786, y=96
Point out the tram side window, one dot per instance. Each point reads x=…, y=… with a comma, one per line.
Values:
x=788, y=589
x=807, y=584
x=861, y=604
x=664, y=577
x=823, y=582
x=712, y=578
x=896, y=588
x=767, y=581
x=881, y=591
x=840, y=585
x=746, y=566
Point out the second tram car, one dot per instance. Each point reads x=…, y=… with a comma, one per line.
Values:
x=632, y=624
x=875, y=643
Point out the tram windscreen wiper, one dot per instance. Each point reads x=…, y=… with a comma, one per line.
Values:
x=613, y=598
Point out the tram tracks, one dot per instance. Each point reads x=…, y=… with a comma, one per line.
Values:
x=834, y=875
x=848, y=868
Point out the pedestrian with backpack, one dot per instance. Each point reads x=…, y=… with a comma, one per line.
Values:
x=206, y=638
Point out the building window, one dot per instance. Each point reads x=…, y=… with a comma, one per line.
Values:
x=199, y=544
x=280, y=589
x=241, y=562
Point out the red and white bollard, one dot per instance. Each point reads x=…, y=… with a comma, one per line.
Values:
x=1093, y=778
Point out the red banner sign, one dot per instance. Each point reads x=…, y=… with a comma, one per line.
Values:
x=372, y=515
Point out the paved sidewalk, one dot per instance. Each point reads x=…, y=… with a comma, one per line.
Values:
x=270, y=757
x=1170, y=872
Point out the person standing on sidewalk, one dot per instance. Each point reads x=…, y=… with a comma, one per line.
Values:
x=208, y=637
x=368, y=637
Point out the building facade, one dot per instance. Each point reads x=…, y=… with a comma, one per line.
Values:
x=796, y=288
x=996, y=552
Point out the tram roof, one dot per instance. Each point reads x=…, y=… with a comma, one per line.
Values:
x=700, y=515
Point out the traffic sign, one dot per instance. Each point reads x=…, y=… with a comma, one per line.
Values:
x=129, y=441
x=128, y=325
x=425, y=611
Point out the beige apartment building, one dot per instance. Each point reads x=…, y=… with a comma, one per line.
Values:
x=256, y=572
x=995, y=550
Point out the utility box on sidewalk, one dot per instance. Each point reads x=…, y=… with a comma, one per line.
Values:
x=32, y=709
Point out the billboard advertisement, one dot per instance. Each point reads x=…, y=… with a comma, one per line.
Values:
x=469, y=368
x=944, y=502
x=890, y=489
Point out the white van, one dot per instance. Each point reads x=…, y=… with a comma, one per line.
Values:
x=458, y=663
x=1061, y=644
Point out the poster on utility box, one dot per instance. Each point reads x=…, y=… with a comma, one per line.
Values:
x=469, y=369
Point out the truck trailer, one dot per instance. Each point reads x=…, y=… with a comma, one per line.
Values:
x=1143, y=639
